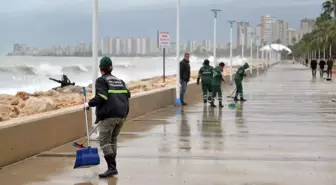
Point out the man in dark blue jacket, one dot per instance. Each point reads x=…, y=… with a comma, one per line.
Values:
x=184, y=76
x=112, y=107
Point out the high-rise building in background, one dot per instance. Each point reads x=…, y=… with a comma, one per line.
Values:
x=250, y=36
x=280, y=28
x=105, y=46
x=191, y=46
x=138, y=50
x=129, y=46
x=292, y=36
x=112, y=46
x=207, y=44
x=258, y=34
x=267, y=23
x=242, y=32
x=306, y=26
x=134, y=46
x=118, y=46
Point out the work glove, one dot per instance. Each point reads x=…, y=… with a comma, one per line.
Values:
x=198, y=79
x=86, y=106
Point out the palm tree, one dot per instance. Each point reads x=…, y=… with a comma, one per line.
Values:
x=329, y=7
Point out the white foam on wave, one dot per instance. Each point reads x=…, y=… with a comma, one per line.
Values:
x=32, y=78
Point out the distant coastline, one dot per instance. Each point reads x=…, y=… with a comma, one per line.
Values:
x=100, y=55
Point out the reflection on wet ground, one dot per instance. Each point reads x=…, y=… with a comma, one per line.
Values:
x=284, y=135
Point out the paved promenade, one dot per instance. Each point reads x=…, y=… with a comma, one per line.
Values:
x=284, y=135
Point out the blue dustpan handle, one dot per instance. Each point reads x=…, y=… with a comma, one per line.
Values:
x=86, y=118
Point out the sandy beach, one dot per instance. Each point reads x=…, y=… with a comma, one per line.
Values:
x=24, y=104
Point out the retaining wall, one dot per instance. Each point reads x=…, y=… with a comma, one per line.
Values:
x=28, y=136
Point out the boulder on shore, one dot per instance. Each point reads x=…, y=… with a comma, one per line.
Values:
x=37, y=105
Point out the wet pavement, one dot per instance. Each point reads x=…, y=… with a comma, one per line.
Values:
x=284, y=135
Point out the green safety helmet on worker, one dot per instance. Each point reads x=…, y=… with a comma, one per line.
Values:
x=246, y=65
x=105, y=62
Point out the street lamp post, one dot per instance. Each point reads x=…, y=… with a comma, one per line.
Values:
x=94, y=56
x=251, y=57
x=262, y=55
x=178, y=100
x=257, y=43
x=231, y=23
x=215, y=11
x=242, y=39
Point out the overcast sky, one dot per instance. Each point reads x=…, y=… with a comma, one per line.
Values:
x=47, y=22
x=43, y=5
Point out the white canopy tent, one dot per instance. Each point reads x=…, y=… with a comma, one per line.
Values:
x=275, y=47
x=275, y=50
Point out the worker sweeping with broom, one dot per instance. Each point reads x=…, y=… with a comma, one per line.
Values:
x=112, y=107
x=205, y=74
x=240, y=74
x=217, y=79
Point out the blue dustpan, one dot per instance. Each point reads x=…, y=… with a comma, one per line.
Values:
x=86, y=157
x=233, y=106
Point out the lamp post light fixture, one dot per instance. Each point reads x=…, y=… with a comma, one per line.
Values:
x=215, y=11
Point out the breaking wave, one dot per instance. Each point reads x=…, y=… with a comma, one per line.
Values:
x=49, y=70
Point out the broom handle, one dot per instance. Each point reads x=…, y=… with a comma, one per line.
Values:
x=86, y=118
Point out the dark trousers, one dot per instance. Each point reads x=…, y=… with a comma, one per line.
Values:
x=239, y=87
x=108, y=132
x=321, y=72
x=184, y=85
x=314, y=72
x=207, y=91
x=216, y=90
x=329, y=72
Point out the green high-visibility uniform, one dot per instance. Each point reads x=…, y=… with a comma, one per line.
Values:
x=205, y=74
x=239, y=78
x=216, y=82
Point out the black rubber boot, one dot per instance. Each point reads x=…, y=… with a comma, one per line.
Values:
x=212, y=104
x=235, y=98
x=114, y=163
x=220, y=104
x=204, y=101
x=111, y=169
x=242, y=99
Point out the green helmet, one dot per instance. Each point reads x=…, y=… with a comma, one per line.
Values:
x=105, y=62
x=246, y=65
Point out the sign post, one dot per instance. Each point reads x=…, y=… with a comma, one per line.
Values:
x=163, y=43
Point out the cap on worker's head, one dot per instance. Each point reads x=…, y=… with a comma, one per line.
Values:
x=246, y=65
x=206, y=62
x=105, y=62
x=222, y=64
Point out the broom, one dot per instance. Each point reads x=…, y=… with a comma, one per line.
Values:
x=231, y=96
x=77, y=145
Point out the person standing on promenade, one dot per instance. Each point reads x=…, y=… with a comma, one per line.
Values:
x=322, y=64
x=184, y=76
x=330, y=64
x=307, y=62
x=216, y=84
x=313, y=66
x=240, y=74
x=112, y=107
x=205, y=73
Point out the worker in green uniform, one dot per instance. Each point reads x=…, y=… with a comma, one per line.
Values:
x=205, y=73
x=216, y=82
x=240, y=74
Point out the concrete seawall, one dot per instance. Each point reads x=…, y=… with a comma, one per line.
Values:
x=25, y=137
